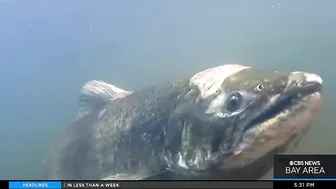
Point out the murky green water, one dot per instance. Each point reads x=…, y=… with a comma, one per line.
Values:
x=48, y=49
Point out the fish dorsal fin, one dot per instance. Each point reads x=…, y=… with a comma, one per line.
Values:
x=96, y=94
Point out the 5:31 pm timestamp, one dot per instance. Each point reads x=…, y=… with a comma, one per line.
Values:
x=304, y=184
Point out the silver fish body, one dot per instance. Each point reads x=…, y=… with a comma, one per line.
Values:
x=224, y=122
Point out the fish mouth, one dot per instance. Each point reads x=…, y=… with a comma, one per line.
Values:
x=285, y=101
x=283, y=120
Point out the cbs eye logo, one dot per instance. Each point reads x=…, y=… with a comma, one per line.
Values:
x=296, y=163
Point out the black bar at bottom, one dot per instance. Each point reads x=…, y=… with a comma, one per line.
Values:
x=303, y=184
x=170, y=184
x=4, y=184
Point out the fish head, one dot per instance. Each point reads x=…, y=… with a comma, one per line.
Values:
x=241, y=114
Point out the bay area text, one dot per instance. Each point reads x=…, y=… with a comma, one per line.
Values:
x=305, y=167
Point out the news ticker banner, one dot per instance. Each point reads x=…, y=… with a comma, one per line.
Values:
x=140, y=184
x=290, y=171
x=304, y=171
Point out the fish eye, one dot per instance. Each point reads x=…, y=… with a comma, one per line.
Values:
x=233, y=102
x=261, y=86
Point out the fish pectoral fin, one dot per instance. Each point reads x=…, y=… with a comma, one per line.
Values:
x=126, y=177
x=96, y=94
x=161, y=175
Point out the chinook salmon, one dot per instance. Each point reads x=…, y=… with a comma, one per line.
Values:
x=224, y=122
